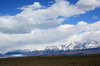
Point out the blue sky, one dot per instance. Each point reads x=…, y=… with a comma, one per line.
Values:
x=9, y=7
x=88, y=17
x=24, y=24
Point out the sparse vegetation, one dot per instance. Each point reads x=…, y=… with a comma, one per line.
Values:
x=72, y=60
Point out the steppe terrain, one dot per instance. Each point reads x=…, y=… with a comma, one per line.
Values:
x=72, y=60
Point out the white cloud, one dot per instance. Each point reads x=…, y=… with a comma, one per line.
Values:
x=95, y=17
x=82, y=23
x=88, y=4
x=37, y=16
x=34, y=6
x=39, y=26
x=41, y=38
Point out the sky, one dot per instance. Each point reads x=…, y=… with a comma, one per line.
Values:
x=35, y=24
x=10, y=8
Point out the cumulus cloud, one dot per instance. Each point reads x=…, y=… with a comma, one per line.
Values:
x=35, y=6
x=37, y=16
x=41, y=38
x=88, y=4
x=38, y=26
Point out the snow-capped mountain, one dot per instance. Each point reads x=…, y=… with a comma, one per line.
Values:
x=89, y=47
x=65, y=45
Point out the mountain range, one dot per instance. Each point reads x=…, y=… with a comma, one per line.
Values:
x=75, y=48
